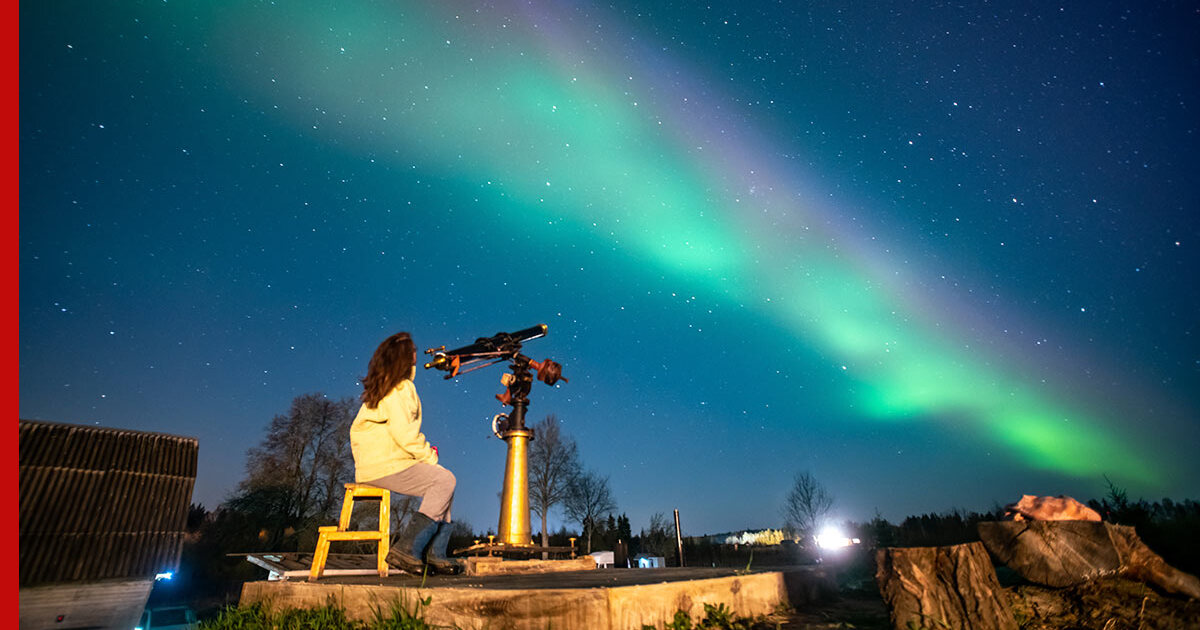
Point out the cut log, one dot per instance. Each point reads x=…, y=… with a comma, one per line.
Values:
x=1141, y=563
x=942, y=587
x=1066, y=553
x=1052, y=553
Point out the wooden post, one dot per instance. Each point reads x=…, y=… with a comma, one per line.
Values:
x=942, y=588
x=678, y=538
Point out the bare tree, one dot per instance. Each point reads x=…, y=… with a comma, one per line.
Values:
x=553, y=462
x=588, y=498
x=658, y=541
x=806, y=505
x=304, y=458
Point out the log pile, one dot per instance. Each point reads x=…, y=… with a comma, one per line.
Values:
x=1074, y=574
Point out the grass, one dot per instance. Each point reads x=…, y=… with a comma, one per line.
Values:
x=328, y=617
x=398, y=616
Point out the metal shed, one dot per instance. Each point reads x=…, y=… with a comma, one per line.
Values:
x=102, y=511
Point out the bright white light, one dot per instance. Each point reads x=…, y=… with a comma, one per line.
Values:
x=831, y=538
x=163, y=576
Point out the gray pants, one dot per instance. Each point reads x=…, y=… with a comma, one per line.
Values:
x=431, y=482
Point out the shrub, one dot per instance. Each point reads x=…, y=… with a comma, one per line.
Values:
x=715, y=618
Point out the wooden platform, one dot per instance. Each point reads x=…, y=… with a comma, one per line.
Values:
x=598, y=599
x=291, y=565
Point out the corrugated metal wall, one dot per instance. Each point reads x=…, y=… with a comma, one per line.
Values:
x=100, y=503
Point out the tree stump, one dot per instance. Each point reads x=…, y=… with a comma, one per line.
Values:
x=942, y=587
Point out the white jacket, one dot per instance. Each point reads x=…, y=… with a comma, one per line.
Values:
x=388, y=439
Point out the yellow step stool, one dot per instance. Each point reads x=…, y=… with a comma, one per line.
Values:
x=328, y=534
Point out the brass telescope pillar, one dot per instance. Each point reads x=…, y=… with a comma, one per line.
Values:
x=514, y=499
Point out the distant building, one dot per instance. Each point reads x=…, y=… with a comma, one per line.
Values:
x=102, y=512
x=647, y=561
x=604, y=559
x=744, y=537
x=761, y=537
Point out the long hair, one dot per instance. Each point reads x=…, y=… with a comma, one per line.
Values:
x=391, y=363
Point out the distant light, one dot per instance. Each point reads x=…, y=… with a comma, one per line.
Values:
x=163, y=576
x=831, y=538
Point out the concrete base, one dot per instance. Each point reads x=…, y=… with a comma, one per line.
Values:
x=606, y=599
x=115, y=604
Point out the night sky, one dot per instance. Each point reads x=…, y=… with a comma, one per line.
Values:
x=939, y=255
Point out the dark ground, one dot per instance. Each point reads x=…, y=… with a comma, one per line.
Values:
x=1106, y=604
x=859, y=609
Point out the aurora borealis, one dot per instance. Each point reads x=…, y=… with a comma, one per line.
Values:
x=939, y=257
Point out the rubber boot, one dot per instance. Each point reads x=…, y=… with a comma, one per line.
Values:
x=408, y=549
x=436, y=556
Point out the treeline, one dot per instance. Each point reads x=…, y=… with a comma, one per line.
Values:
x=1170, y=528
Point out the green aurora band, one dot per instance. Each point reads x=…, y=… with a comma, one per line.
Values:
x=510, y=103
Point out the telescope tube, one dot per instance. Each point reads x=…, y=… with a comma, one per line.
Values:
x=508, y=343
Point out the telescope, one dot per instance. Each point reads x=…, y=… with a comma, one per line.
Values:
x=514, y=530
x=497, y=347
x=487, y=351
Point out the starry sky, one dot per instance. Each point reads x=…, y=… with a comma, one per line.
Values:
x=939, y=255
